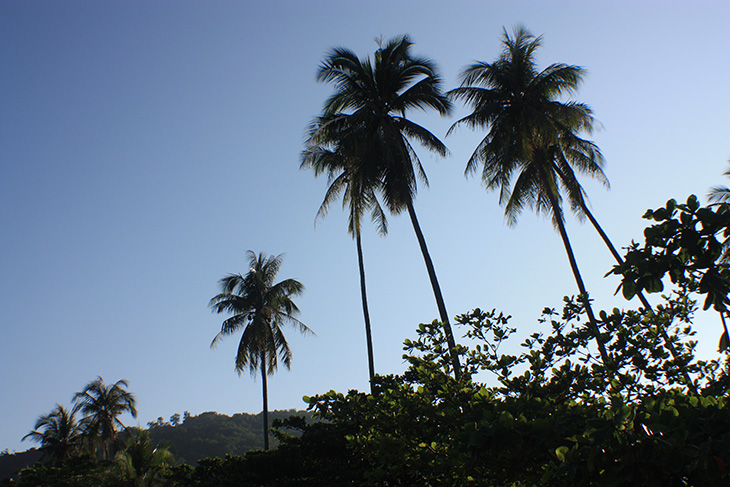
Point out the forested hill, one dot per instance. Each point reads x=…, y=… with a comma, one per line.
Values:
x=213, y=435
x=192, y=437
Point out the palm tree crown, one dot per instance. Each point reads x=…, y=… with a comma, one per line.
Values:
x=58, y=432
x=260, y=307
x=533, y=136
x=102, y=405
x=141, y=462
x=339, y=156
x=371, y=99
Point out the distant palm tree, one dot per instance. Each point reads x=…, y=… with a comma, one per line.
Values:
x=720, y=194
x=338, y=155
x=59, y=434
x=259, y=307
x=141, y=462
x=533, y=147
x=102, y=405
x=371, y=99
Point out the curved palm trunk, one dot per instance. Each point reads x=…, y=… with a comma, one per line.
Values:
x=436, y=291
x=724, y=323
x=640, y=295
x=558, y=216
x=365, y=312
x=582, y=289
x=266, y=401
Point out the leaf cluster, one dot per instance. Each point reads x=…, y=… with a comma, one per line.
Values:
x=557, y=415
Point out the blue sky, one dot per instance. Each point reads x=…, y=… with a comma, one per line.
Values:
x=144, y=146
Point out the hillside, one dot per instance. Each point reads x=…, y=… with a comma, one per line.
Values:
x=208, y=434
x=211, y=434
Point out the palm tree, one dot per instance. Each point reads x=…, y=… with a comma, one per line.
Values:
x=260, y=307
x=141, y=462
x=58, y=432
x=533, y=138
x=720, y=194
x=102, y=405
x=337, y=156
x=371, y=99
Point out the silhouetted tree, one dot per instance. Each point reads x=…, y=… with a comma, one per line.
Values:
x=59, y=434
x=371, y=99
x=340, y=155
x=140, y=462
x=259, y=307
x=532, y=148
x=102, y=405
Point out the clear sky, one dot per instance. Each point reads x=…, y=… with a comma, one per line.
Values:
x=144, y=146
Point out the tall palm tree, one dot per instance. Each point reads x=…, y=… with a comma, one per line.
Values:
x=59, y=434
x=533, y=147
x=259, y=307
x=336, y=154
x=371, y=98
x=102, y=405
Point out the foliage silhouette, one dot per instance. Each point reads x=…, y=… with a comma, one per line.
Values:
x=370, y=102
x=59, y=434
x=687, y=244
x=338, y=154
x=533, y=137
x=102, y=405
x=142, y=463
x=260, y=307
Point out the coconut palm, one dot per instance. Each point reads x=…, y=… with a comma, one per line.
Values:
x=720, y=194
x=140, y=462
x=102, y=405
x=371, y=98
x=59, y=434
x=533, y=145
x=337, y=155
x=260, y=308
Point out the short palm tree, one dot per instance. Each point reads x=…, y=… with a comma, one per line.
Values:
x=140, y=462
x=532, y=148
x=337, y=155
x=259, y=307
x=102, y=405
x=59, y=434
x=371, y=99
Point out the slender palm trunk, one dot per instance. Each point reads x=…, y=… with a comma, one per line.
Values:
x=266, y=401
x=436, y=291
x=365, y=312
x=640, y=295
x=559, y=221
x=582, y=289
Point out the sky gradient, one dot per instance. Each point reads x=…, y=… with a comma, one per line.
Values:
x=144, y=146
